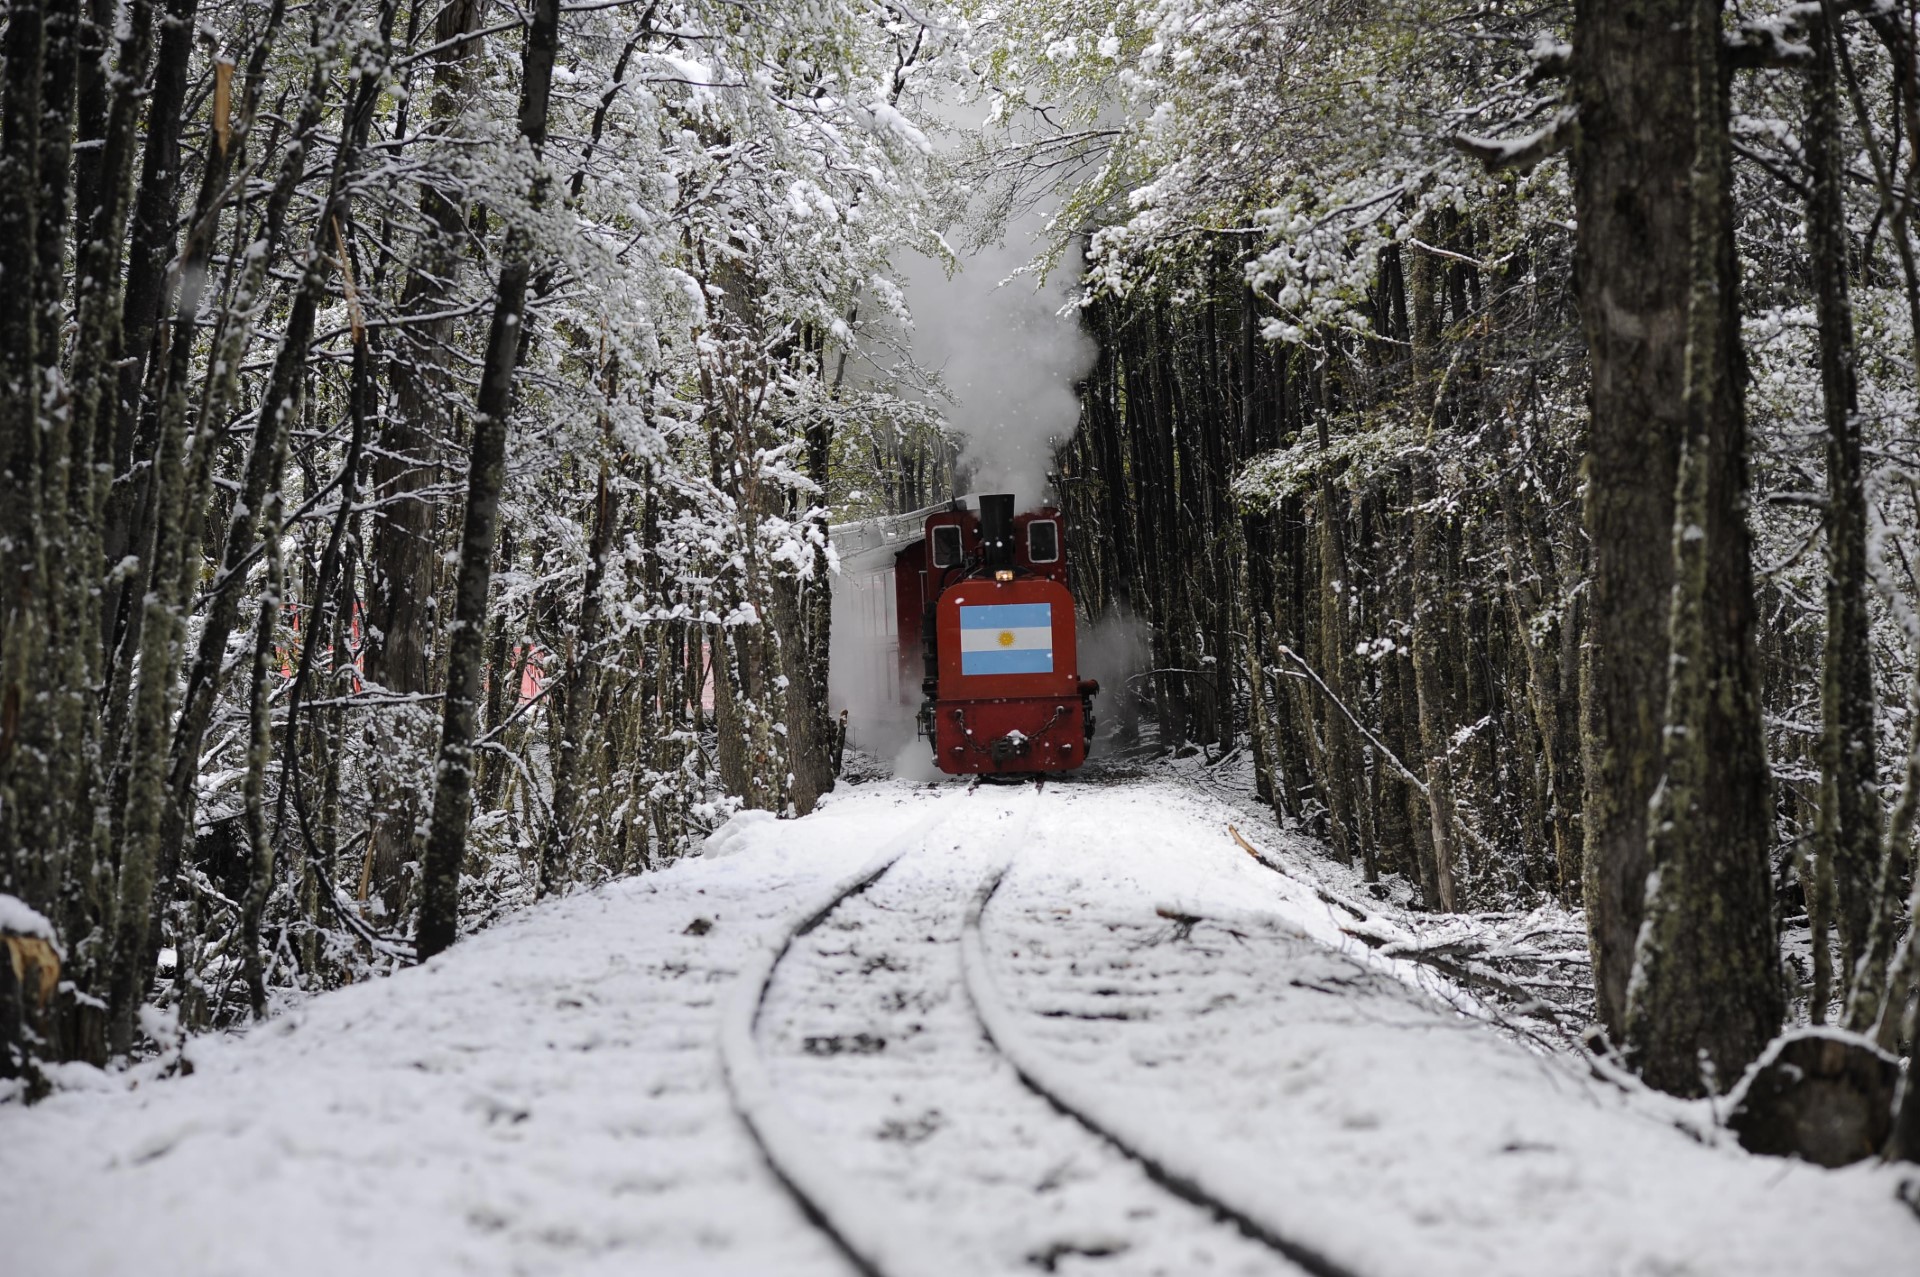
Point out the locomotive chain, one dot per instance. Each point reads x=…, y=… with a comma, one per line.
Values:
x=870, y=1238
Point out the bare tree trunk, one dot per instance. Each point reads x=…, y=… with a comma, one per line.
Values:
x=403, y=560
x=503, y=691
x=53, y=738
x=823, y=761
x=1340, y=767
x=1871, y=1001
x=1706, y=993
x=1631, y=80
x=259, y=751
x=1904, y=977
x=486, y=468
x=1428, y=657
x=150, y=250
x=1879, y=1003
x=579, y=682
x=1848, y=823
x=266, y=458
x=1529, y=575
x=76, y=556
x=25, y=833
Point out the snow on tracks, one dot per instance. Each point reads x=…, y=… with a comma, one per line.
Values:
x=1213, y=1013
x=900, y=1126
x=1173, y=1164
x=547, y=1097
x=870, y=1238
x=544, y=1098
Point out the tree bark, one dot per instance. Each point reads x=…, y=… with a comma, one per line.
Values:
x=579, y=682
x=75, y=563
x=24, y=834
x=486, y=467
x=403, y=560
x=1538, y=629
x=1847, y=839
x=1339, y=772
x=1428, y=597
x=1632, y=79
x=151, y=248
x=1706, y=995
x=253, y=906
x=147, y=870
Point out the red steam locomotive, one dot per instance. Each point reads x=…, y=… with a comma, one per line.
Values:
x=984, y=608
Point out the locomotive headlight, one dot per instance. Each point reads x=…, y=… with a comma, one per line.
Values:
x=1004, y=575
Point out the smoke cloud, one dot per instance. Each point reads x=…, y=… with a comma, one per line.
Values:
x=865, y=679
x=1117, y=650
x=1008, y=349
x=1007, y=354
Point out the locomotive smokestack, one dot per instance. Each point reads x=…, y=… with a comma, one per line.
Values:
x=996, y=529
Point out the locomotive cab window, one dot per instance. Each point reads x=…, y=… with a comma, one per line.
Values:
x=946, y=546
x=1043, y=541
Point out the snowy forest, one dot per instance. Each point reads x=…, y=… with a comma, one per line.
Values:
x=1487, y=436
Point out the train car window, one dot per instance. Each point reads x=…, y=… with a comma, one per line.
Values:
x=946, y=546
x=1043, y=541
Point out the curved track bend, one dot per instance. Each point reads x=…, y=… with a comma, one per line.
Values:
x=876, y=1008
x=1052, y=1084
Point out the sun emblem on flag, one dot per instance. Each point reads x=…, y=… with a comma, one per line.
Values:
x=1006, y=638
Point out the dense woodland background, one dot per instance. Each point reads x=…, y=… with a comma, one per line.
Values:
x=1503, y=424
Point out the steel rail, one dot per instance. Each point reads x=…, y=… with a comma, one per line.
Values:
x=869, y=1239
x=875, y=1249
x=996, y=1023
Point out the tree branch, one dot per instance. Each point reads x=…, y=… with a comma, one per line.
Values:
x=1523, y=153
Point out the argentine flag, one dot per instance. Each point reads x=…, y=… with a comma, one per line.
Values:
x=1007, y=638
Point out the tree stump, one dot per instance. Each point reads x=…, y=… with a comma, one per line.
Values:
x=29, y=974
x=1820, y=1094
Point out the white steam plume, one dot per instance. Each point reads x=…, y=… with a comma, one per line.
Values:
x=1008, y=355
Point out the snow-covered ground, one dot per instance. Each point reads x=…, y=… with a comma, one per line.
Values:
x=878, y=1050
x=549, y=1097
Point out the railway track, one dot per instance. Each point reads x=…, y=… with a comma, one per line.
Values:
x=876, y=1010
